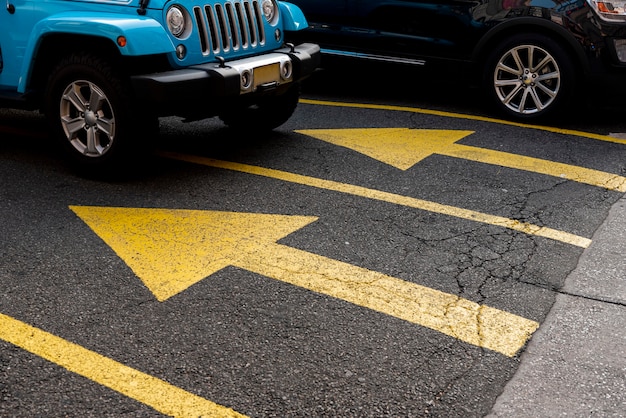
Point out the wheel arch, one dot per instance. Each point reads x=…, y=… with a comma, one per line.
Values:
x=68, y=32
x=535, y=26
x=48, y=56
x=293, y=18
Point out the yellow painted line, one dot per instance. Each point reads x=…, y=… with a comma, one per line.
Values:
x=403, y=148
x=171, y=249
x=426, y=205
x=579, y=174
x=155, y=393
x=582, y=134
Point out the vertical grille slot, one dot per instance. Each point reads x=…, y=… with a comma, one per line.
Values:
x=222, y=28
x=258, y=21
x=230, y=26
x=205, y=39
x=212, y=25
x=242, y=25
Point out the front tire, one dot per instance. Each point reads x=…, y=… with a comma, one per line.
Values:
x=529, y=77
x=91, y=114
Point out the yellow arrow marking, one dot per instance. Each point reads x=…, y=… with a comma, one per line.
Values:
x=156, y=393
x=172, y=249
x=402, y=148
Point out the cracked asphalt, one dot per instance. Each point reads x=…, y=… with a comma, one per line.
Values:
x=575, y=364
x=265, y=347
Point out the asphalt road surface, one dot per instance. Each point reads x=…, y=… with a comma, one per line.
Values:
x=381, y=254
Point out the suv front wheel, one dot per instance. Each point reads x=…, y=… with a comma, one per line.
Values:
x=529, y=76
x=91, y=114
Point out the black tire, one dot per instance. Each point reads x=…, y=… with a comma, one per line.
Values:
x=93, y=117
x=267, y=113
x=529, y=77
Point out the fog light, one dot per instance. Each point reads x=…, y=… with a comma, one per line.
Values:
x=620, y=48
x=181, y=52
x=285, y=70
x=246, y=79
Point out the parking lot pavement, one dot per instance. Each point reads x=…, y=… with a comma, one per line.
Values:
x=575, y=364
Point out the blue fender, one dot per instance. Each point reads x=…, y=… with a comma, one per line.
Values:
x=144, y=36
x=293, y=18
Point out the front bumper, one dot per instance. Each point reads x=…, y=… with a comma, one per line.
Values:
x=206, y=88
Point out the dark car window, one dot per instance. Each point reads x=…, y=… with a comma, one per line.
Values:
x=327, y=11
x=433, y=27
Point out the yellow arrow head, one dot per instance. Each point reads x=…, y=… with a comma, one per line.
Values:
x=399, y=147
x=171, y=249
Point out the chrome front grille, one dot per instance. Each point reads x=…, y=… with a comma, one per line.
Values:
x=229, y=26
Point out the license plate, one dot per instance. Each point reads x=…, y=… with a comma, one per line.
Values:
x=266, y=74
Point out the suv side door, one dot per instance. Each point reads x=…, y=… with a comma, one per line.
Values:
x=334, y=22
x=13, y=42
x=400, y=29
x=419, y=28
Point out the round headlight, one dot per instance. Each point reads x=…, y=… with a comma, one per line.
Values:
x=176, y=21
x=270, y=10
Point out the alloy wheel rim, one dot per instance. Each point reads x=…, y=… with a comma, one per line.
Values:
x=527, y=79
x=87, y=118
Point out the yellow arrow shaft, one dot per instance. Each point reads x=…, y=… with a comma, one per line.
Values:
x=570, y=172
x=449, y=314
x=407, y=201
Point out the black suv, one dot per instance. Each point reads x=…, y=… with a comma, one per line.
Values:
x=531, y=57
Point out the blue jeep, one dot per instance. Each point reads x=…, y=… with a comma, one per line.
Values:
x=103, y=71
